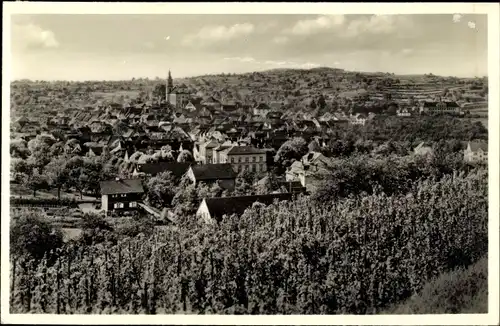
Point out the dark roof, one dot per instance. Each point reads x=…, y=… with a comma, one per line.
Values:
x=448, y=104
x=475, y=146
x=177, y=169
x=121, y=186
x=263, y=106
x=213, y=171
x=237, y=150
x=220, y=206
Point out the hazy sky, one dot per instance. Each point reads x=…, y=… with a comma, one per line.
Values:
x=82, y=47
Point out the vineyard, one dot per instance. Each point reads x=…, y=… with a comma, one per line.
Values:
x=358, y=255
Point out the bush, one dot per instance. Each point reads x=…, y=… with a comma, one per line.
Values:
x=43, y=202
x=30, y=234
x=461, y=291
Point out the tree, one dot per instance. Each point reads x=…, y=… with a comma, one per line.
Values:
x=96, y=229
x=72, y=146
x=19, y=148
x=35, y=181
x=75, y=165
x=185, y=156
x=321, y=102
x=29, y=234
x=292, y=149
x=314, y=146
x=160, y=91
x=57, y=174
x=40, y=149
x=160, y=189
x=20, y=169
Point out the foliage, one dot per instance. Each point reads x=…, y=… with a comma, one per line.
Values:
x=30, y=235
x=96, y=229
x=351, y=256
x=42, y=202
x=464, y=290
x=160, y=189
x=292, y=149
x=185, y=156
x=35, y=181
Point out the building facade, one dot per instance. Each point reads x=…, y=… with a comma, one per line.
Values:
x=244, y=158
x=121, y=195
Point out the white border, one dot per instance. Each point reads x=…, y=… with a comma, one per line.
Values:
x=492, y=318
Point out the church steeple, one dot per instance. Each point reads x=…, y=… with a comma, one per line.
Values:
x=169, y=82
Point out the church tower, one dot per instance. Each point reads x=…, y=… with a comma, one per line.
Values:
x=169, y=86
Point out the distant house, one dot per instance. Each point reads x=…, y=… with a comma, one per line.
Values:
x=262, y=109
x=206, y=152
x=121, y=194
x=476, y=152
x=440, y=107
x=244, y=158
x=423, y=149
x=214, y=209
x=403, y=112
x=210, y=173
x=178, y=169
x=358, y=119
x=191, y=106
x=309, y=170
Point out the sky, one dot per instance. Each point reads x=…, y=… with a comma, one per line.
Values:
x=118, y=47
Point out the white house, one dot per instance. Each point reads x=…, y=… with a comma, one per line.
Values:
x=476, y=152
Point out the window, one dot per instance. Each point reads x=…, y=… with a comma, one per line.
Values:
x=239, y=159
x=232, y=159
x=246, y=159
x=133, y=204
x=118, y=205
x=254, y=167
x=262, y=158
x=254, y=158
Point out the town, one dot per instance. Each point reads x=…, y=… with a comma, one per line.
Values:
x=101, y=160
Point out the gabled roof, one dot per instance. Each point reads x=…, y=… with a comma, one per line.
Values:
x=213, y=171
x=220, y=206
x=177, y=169
x=121, y=186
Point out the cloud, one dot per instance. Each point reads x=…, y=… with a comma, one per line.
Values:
x=241, y=59
x=457, y=18
x=280, y=40
x=309, y=65
x=471, y=25
x=314, y=26
x=278, y=63
x=209, y=34
x=167, y=38
x=33, y=36
x=378, y=24
x=292, y=64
